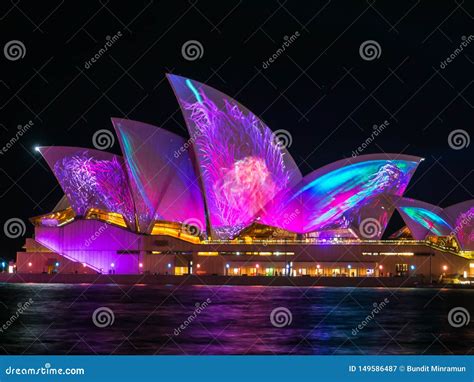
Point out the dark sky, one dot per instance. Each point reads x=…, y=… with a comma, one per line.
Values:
x=320, y=89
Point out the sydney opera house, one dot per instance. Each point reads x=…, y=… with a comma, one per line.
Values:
x=230, y=200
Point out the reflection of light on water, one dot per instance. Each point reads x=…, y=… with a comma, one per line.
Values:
x=237, y=315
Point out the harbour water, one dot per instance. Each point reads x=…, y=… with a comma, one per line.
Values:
x=154, y=319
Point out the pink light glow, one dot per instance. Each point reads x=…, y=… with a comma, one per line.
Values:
x=246, y=186
x=241, y=165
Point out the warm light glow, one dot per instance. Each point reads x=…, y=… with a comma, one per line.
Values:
x=30, y=264
x=318, y=266
x=445, y=267
x=208, y=253
x=198, y=265
x=349, y=266
x=380, y=266
x=257, y=266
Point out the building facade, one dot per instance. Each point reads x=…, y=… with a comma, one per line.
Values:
x=230, y=200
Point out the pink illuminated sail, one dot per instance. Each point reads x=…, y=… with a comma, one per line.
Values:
x=241, y=163
x=91, y=179
x=162, y=177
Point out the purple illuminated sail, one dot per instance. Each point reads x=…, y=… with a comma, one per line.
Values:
x=423, y=219
x=242, y=165
x=344, y=194
x=91, y=179
x=162, y=176
x=461, y=217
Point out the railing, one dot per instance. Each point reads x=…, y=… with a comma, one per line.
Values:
x=340, y=242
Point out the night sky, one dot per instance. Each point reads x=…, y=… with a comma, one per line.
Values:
x=320, y=89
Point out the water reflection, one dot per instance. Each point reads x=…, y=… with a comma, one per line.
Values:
x=236, y=320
